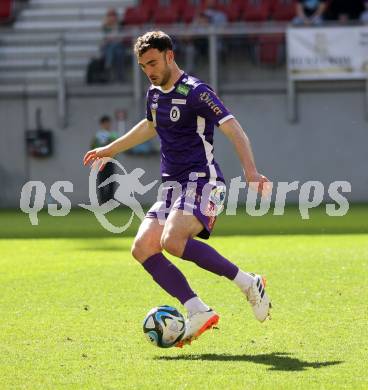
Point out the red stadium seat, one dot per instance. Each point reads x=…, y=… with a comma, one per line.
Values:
x=136, y=16
x=269, y=48
x=6, y=10
x=140, y=14
x=182, y=5
x=283, y=10
x=234, y=10
x=166, y=14
x=256, y=10
x=191, y=10
x=151, y=4
x=188, y=14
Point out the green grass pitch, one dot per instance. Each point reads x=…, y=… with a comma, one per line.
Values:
x=72, y=302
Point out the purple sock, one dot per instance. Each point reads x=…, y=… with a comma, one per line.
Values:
x=167, y=276
x=206, y=257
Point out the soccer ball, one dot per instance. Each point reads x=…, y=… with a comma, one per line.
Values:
x=164, y=326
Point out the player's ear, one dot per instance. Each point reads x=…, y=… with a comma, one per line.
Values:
x=169, y=57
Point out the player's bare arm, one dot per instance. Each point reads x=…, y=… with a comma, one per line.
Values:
x=235, y=133
x=141, y=132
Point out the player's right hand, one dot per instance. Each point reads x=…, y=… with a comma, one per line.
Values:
x=96, y=157
x=260, y=184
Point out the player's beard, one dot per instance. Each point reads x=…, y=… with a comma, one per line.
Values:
x=166, y=74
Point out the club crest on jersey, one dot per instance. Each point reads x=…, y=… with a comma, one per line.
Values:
x=174, y=114
x=207, y=98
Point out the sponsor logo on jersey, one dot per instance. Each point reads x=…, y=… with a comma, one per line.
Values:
x=174, y=114
x=182, y=89
x=178, y=101
x=207, y=98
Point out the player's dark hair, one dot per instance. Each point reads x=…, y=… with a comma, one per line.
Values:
x=105, y=118
x=153, y=40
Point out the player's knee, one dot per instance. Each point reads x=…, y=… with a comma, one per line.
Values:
x=136, y=251
x=173, y=244
x=143, y=248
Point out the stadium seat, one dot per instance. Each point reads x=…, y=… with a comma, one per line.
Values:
x=181, y=5
x=140, y=14
x=256, y=10
x=188, y=14
x=151, y=4
x=269, y=48
x=6, y=10
x=189, y=9
x=234, y=10
x=135, y=16
x=283, y=10
x=164, y=15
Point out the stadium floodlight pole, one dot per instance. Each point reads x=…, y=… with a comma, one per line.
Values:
x=61, y=91
x=291, y=95
x=213, y=62
x=366, y=98
x=291, y=100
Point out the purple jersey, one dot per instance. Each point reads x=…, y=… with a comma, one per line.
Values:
x=184, y=118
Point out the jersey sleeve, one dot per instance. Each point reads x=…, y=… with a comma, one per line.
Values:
x=148, y=108
x=206, y=104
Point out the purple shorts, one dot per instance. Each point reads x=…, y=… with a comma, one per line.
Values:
x=202, y=198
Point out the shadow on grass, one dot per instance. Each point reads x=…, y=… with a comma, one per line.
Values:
x=278, y=361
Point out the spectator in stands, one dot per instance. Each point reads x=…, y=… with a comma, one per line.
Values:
x=104, y=136
x=345, y=10
x=309, y=12
x=364, y=14
x=113, y=48
x=214, y=16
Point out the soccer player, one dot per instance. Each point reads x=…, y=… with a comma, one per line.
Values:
x=183, y=111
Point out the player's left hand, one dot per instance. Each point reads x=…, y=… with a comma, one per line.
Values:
x=259, y=183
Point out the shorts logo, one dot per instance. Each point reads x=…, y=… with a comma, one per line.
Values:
x=216, y=201
x=174, y=114
x=207, y=98
x=217, y=196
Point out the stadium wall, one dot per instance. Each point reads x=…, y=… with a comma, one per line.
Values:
x=328, y=143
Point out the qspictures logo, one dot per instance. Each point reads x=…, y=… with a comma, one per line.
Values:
x=210, y=198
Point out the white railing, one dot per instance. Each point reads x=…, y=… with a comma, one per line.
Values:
x=211, y=33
